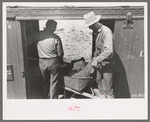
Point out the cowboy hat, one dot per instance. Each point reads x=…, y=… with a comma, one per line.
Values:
x=90, y=18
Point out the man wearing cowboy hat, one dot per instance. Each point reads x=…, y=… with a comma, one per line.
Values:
x=104, y=59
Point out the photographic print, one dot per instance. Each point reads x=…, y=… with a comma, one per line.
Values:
x=74, y=58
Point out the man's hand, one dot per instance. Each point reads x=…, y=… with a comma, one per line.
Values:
x=103, y=63
x=95, y=63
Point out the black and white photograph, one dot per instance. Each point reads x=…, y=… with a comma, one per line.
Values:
x=75, y=60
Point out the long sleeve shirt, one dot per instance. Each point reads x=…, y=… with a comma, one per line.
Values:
x=49, y=45
x=104, y=44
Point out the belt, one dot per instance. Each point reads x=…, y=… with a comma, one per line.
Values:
x=47, y=58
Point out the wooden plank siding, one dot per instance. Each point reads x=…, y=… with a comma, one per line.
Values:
x=13, y=56
x=14, y=88
x=22, y=84
x=128, y=44
x=10, y=84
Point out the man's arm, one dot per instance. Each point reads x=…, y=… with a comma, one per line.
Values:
x=108, y=48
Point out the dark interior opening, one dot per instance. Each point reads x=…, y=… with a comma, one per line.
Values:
x=34, y=79
x=109, y=23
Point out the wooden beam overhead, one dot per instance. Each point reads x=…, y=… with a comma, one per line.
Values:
x=72, y=12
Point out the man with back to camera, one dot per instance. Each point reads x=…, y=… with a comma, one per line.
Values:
x=50, y=52
x=104, y=55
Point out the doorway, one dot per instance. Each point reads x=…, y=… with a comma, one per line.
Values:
x=109, y=23
x=33, y=75
x=77, y=43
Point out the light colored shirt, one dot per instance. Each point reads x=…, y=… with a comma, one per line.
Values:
x=104, y=43
x=49, y=45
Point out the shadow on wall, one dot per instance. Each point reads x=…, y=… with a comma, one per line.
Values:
x=120, y=84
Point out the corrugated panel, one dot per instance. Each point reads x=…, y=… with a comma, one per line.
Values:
x=73, y=11
x=129, y=43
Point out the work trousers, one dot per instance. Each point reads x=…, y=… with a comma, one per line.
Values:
x=50, y=69
x=104, y=76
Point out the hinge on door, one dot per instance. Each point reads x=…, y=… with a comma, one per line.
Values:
x=128, y=23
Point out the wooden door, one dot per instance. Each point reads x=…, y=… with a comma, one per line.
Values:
x=129, y=44
x=16, y=87
x=32, y=71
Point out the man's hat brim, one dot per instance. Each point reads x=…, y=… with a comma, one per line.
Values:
x=96, y=20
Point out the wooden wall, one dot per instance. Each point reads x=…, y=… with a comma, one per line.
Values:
x=16, y=89
x=63, y=12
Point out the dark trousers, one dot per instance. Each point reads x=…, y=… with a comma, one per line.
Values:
x=50, y=69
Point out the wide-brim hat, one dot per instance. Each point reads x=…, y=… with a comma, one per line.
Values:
x=90, y=18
